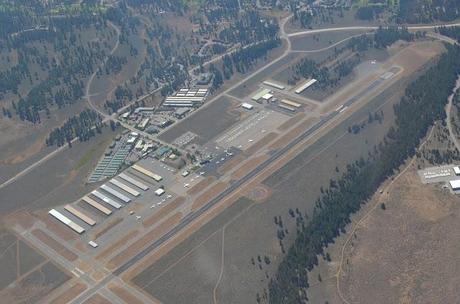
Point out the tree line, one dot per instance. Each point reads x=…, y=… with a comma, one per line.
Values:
x=330, y=76
x=242, y=60
x=452, y=32
x=84, y=126
x=422, y=105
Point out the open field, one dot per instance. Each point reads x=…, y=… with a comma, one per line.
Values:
x=148, y=238
x=232, y=257
x=65, y=174
x=97, y=299
x=219, y=116
x=69, y=294
x=204, y=267
x=22, y=143
x=296, y=185
x=322, y=40
x=124, y=294
x=418, y=261
x=26, y=275
x=17, y=258
x=55, y=245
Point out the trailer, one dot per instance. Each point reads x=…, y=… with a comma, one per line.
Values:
x=146, y=172
x=80, y=215
x=133, y=181
x=105, y=199
x=96, y=205
x=124, y=187
x=115, y=193
x=66, y=221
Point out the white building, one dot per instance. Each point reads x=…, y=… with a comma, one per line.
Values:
x=247, y=106
x=305, y=86
x=267, y=97
x=159, y=192
x=455, y=184
x=457, y=170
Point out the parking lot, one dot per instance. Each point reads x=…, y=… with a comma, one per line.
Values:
x=252, y=129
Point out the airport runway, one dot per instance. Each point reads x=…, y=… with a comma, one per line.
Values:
x=275, y=156
x=234, y=186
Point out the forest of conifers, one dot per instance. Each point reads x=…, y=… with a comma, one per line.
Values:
x=422, y=105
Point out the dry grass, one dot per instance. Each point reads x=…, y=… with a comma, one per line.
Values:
x=208, y=195
x=101, y=230
x=201, y=185
x=163, y=212
x=141, y=243
x=183, y=235
x=248, y=166
x=97, y=299
x=55, y=245
x=261, y=143
x=69, y=294
x=292, y=121
x=231, y=164
x=124, y=294
x=114, y=247
x=289, y=136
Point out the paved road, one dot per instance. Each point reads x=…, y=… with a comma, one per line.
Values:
x=357, y=28
x=452, y=134
x=192, y=216
x=234, y=186
x=107, y=117
x=283, y=36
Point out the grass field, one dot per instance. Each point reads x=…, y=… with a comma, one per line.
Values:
x=252, y=233
x=416, y=264
x=26, y=275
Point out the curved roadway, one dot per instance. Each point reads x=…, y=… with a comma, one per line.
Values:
x=192, y=216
